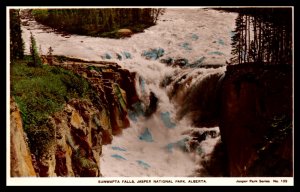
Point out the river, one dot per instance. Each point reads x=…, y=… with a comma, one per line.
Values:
x=158, y=145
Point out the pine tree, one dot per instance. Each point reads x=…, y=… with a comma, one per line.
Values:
x=16, y=41
x=37, y=62
x=263, y=35
x=237, y=44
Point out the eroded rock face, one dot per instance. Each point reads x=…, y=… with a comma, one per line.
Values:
x=78, y=140
x=256, y=120
x=20, y=156
x=83, y=126
x=80, y=130
x=115, y=88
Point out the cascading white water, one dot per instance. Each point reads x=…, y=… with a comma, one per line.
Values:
x=157, y=145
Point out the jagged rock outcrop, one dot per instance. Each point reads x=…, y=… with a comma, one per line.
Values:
x=115, y=88
x=75, y=135
x=77, y=145
x=20, y=156
x=84, y=126
x=256, y=120
x=78, y=140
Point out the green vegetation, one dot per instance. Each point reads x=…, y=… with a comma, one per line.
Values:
x=98, y=69
x=37, y=62
x=61, y=58
x=98, y=22
x=84, y=161
x=40, y=92
x=16, y=41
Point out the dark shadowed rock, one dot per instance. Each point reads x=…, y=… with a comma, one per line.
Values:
x=152, y=106
x=256, y=120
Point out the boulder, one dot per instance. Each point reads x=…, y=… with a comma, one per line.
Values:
x=124, y=32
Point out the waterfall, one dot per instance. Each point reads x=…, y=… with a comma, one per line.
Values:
x=196, y=94
x=167, y=145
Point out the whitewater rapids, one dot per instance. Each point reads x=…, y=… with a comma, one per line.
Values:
x=152, y=146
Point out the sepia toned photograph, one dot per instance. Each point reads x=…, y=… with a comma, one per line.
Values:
x=172, y=95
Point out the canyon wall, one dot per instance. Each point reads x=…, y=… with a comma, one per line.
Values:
x=256, y=120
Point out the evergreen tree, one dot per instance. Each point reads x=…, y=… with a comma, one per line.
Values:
x=263, y=35
x=237, y=43
x=16, y=41
x=37, y=62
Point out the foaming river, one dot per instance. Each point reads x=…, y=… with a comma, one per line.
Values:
x=159, y=145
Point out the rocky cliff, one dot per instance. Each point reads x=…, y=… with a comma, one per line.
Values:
x=21, y=161
x=256, y=120
x=78, y=132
